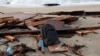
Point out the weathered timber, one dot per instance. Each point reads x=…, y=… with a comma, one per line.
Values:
x=62, y=18
x=69, y=13
x=55, y=23
x=8, y=20
x=45, y=17
x=37, y=23
x=14, y=18
x=63, y=30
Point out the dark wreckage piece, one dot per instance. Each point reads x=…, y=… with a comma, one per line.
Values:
x=80, y=13
x=51, y=39
x=49, y=35
x=76, y=12
x=59, y=31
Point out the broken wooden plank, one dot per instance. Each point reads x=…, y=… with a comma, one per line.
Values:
x=62, y=18
x=56, y=24
x=30, y=26
x=69, y=13
x=37, y=20
x=64, y=30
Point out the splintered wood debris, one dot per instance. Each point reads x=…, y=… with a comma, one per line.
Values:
x=14, y=25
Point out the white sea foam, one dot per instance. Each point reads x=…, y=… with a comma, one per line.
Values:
x=40, y=3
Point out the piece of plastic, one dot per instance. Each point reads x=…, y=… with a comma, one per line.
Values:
x=9, y=50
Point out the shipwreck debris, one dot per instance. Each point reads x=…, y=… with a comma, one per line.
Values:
x=32, y=25
x=62, y=30
x=85, y=32
x=20, y=49
x=40, y=43
x=2, y=53
x=11, y=38
x=75, y=49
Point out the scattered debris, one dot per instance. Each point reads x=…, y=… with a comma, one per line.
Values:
x=75, y=49
x=8, y=20
x=45, y=27
x=77, y=13
x=60, y=31
x=1, y=53
x=51, y=39
x=80, y=12
x=85, y=32
x=40, y=43
x=11, y=38
x=20, y=49
x=3, y=41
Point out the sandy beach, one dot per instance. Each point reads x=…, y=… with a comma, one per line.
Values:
x=91, y=40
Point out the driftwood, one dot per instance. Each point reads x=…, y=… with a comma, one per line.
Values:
x=28, y=24
x=74, y=12
x=8, y=20
x=60, y=18
x=14, y=18
x=63, y=30
x=41, y=20
x=36, y=21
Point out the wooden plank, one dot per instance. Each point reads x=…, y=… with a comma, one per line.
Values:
x=62, y=18
x=64, y=30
